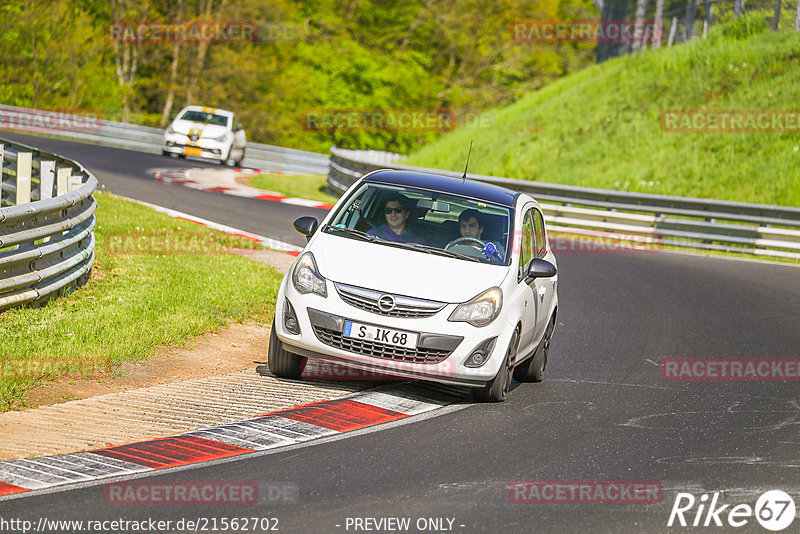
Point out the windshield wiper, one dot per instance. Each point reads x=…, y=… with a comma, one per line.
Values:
x=351, y=231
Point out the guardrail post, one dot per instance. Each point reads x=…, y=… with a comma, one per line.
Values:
x=2, y=148
x=62, y=179
x=75, y=182
x=46, y=171
x=24, y=165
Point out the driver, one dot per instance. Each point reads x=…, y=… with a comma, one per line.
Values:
x=395, y=208
x=471, y=224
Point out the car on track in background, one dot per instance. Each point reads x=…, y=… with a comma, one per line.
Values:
x=209, y=133
x=422, y=276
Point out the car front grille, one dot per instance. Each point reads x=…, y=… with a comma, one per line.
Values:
x=368, y=299
x=379, y=350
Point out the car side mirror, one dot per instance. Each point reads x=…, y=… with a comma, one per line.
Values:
x=306, y=226
x=539, y=268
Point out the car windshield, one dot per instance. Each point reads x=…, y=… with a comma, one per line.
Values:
x=429, y=222
x=205, y=117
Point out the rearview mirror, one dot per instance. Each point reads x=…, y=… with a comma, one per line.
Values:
x=306, y=226
x=539, y=268
x=434, y=205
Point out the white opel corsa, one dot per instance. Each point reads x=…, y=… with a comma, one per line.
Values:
x=425, y=277
x=209, y=133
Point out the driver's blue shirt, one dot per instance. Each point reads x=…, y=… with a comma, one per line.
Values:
x=385, y=232
x=500, y=250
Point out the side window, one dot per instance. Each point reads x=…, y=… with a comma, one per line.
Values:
x=528, y=244
x=538, y=225
x=237, y=124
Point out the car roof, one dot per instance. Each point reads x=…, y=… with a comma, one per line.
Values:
x=215, y=111
x=446, y=184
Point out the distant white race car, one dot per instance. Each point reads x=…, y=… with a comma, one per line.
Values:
x=208, y=133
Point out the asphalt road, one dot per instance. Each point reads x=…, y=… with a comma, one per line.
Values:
x=603, y=411
x=124, y=172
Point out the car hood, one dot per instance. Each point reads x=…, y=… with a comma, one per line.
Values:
x=209, y=130
x=402, y=271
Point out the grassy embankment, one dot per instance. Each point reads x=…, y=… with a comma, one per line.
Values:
x=156, y=281
x=600, y=127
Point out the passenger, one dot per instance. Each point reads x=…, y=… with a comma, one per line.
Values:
x=471, y=224
x=395, y=208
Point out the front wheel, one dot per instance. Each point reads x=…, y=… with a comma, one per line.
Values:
x=281, y=362
x=532, y=369
x=496, y=390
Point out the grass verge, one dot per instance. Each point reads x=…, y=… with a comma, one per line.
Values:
x=308, y=186
x=156, y=281
x=601, y=126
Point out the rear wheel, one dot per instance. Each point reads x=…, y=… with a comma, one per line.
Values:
x=532, y=369
x=283, y=363
x=496, y=390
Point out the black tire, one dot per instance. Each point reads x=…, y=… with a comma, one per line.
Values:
x=283, y=363
x=532, y=369
x=497, y=389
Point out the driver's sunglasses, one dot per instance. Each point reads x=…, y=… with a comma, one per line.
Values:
x=398, y=209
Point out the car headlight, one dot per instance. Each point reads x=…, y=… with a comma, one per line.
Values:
x=306, y=277
x=221, y=138
x=481, y=310
x=170, y=130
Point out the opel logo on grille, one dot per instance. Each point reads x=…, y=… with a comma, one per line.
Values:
x=194, y=137
x=386, y=303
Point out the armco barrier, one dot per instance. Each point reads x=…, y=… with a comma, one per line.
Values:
x=147, y=139
x=645, y=219
x=46, y=224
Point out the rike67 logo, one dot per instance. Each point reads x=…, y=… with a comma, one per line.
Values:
x=774, y=510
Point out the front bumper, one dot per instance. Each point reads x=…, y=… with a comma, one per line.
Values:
x=441, y=349
x=202, y=148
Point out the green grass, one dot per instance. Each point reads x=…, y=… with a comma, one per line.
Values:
x=600, y=127
x=308, y=186
x=165, y=293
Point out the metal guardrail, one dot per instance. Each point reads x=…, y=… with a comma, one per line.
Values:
x=46, y=225
x=147, y=139
x=647, y=220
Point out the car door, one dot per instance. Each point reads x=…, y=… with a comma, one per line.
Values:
x=527, y=288
x=239, y=137
x=545, y=288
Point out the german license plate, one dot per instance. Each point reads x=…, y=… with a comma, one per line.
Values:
x=379, y=334
x=191, y=151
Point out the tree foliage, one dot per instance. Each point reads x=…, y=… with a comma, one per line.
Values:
x=455, y=55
